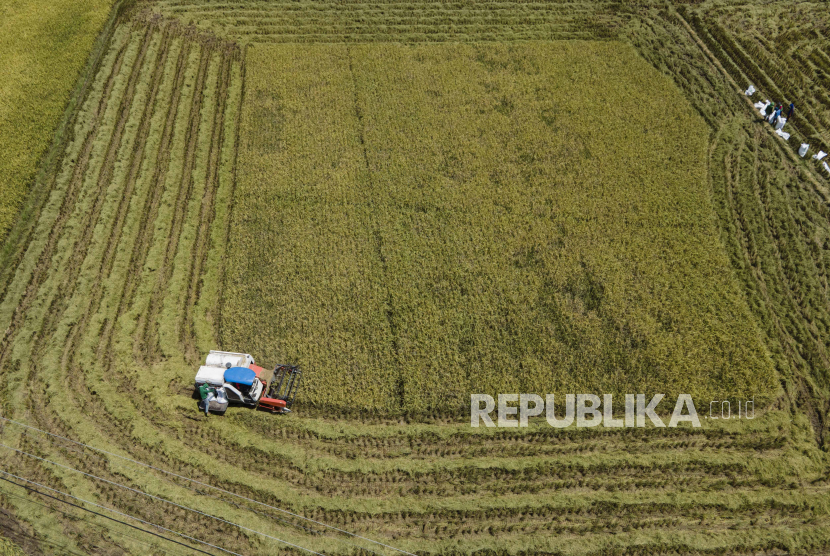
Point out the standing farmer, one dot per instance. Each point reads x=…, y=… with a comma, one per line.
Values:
x=790, y=113
x=776, y=115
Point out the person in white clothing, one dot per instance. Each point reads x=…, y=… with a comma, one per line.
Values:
x=221, y=395
x=210, y=396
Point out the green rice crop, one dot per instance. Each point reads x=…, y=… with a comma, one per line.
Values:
x=419, y=223
x=43, y=48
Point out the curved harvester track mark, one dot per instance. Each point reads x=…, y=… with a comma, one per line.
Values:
x=160, y=170
x=815, y=400
x=732, y=187
x=138, y=247
x=39, y=403
x=789, y=287
x=66, y=209
x=94, y=342
x=81, y=398
x=80, y=331
x=523, y=516
x=149, y=327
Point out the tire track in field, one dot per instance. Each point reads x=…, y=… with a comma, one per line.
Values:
x=738, y=225
x=807, y=397
x=73, y=265
x=41, y=269
x=201, y=526
x=149, y=326
x=89, y=220
x=377, y=241
x=199, y=251
x=504, y=520
x=796, y=293
x=141, y=247
x=146, y=228
x=104, y=346
x=434, y=523
x=104, y=424
x=815, y=403
x=82, y=396
x=223, y=277
x=597, y=516
x=114, y=235
x=468, y=477
x=39, y=404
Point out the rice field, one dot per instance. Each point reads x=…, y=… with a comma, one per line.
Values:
x=545, y=196
x=284, y=21
x=421, y=223
x=43, y=48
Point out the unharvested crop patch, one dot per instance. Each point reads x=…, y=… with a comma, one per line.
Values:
x=433, y=221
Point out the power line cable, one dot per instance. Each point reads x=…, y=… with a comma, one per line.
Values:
x=210, y=486
x=202, y=493
x=234, y=504
x=160, y=499
x=9, y=494
x=122, y=514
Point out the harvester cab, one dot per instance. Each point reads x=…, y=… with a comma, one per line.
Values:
x=246, y=383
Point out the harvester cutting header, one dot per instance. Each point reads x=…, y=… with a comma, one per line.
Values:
x=228, y=377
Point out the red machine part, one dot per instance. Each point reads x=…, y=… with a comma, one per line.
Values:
x=267, y=403
x=272, y=404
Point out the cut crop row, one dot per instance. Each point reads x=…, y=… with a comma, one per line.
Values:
x=371, y=21
x=761, y=66
x=111, y=191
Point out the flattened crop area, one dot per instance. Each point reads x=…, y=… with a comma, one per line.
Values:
x=418, y=223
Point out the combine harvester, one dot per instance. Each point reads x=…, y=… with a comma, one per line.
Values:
x=245, y=383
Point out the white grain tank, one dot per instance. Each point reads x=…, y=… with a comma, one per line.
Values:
x=215, y=376
x=222, y=358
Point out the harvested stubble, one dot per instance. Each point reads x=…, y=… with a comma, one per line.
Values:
x=285, y=21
